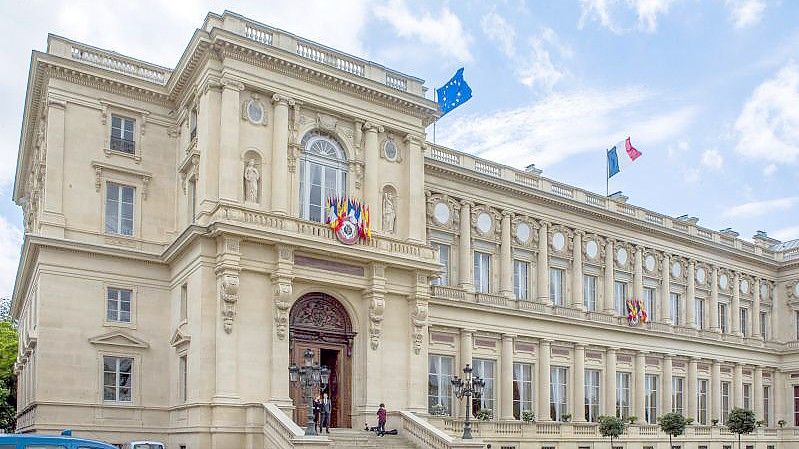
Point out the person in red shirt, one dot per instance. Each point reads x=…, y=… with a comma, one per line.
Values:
x=381, y=420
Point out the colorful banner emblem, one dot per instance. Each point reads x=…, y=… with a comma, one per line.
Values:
x=636, y=313
x=349, y=219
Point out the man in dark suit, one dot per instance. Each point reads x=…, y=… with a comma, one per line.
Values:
x=327, y=409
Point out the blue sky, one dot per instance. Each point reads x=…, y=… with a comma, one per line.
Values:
x=708, y=90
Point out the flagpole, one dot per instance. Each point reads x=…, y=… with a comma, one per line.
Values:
x=607, y=178
x=434, y=133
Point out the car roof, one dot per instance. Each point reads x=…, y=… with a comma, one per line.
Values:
x=39, y=438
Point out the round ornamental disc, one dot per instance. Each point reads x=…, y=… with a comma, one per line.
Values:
x=723, y=281
x=700, y=275
x=744, y=286
x=764, y=291
x=390, y=150
x=484, y=222
x=796, y=290
x=255, y=112
x=676, y=269
x=649, y=263
x=592, y=249
x=523, y=232
x=441, y=213
x=621, y=256
x=558, y=241
x=348, y=233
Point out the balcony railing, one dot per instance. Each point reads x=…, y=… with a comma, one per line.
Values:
x=123, y=145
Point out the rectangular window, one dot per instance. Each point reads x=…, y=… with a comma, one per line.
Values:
x=184, y=302
x=556, y=286
x=119, y=209
x=482, y=272
x=744, y=321
x=183, y=376
x=522, y=389
x=122, y=129
x=767, y=405
x=117, y=378
x=620, y=298
x=701, y=401
x=725, y=401
x=589, y=292
x=723, y=317
x=677, y=394
x=521, y=281
x=764, y=325
x=439, y=386
x=796, y=315
x=651, y=398
x=747, y=393
x=118, y=304
x=485, y=369
x=558, y=393
x=622, y=395
x=699, y=313
x=674, y=307
x=591, y=395
x=796, y=405
x=443, y=258
x=649, y=302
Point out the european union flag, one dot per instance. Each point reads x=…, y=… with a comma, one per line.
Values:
x=454, y=93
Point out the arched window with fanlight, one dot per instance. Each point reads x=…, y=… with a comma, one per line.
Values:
x=323, y=173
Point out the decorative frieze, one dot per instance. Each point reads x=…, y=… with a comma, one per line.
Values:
x=443, y=211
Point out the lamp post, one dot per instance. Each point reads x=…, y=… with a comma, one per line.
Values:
x=466, y=388
x=310, y=377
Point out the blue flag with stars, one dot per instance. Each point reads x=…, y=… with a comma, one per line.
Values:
x=454, y=93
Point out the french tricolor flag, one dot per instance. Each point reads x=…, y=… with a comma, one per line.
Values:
x=616, y=160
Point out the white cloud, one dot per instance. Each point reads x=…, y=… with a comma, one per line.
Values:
x=712, y=159
x=770, y=169
x=758, y=208
x=546, y=132
x=648, y=11
x=444, y=31
x=675, y=150
x=786, y=234
x=10, y=244
x=500, y=32
x=768, y=126
x=538, y=70
x=745, y=13
x=604, y=12
x=597, y=10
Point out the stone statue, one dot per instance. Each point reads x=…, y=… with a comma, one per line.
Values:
x=251, y=177
x=389, y=213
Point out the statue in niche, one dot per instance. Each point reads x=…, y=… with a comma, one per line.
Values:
x=389, y=213
x=251, y=177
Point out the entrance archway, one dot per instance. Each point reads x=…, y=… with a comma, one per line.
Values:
x=319, y=322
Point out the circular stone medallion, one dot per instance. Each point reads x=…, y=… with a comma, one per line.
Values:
x=723, y=281
x=621, y=256
x=676, y=269
x=796, y=290
x=523, y=232
x=764, y=291
x=484, y=222
x=649, y=263
x=744, y=286
x=255, y=113
x=441, y=213
x=592, y=249
x=390, y=150
x=558, y=241
x=700, y=275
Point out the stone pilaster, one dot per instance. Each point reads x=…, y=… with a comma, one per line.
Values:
x=417, y=356
x=715, y=326
x=691, y=393
x=639, y=401
x=610, y=382
x=52, y=219
x=506, y=378
x=756, y=310
x=230, y=169
x=417, y=224
x=665, y=289
x=690, y=300
x=227, y=271
x=638, y=273
x=465, y=248
x=735, y=313
x=757, y=385
x=208, y=120
x=506, y=258
x=578, y=391
x=371, y=188
x=715, y=391
x=280, y=148
x=542, y=396
x=610, y=271
x=737, y=386
x=542, y=266
x=577, y=271
x=282, y=289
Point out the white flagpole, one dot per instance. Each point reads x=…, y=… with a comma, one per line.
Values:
x=607, y=175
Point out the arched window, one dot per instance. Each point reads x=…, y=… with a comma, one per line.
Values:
x=323, y=172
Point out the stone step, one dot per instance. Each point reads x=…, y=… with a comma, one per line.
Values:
x=361, y=439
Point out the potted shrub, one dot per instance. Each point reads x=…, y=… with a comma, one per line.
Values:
x=484, y=414
x=714, y=421
x=781, y=423
x=741, y=421
x=672, y=424
x=611, y=426
x=632, y=419
x=438, y=410
x=528, y=416
x=761, y=422
x=566, y=418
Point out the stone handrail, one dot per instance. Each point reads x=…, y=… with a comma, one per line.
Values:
x=281, y=432
x=426, y=436
x=118, y=63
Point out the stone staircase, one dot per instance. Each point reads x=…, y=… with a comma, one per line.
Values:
x=361, y=439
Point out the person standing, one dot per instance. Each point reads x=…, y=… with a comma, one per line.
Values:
x=327, y=408
x=317, y=412
x=381, y=420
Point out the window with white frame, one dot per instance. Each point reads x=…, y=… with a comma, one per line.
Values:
x=592, y=395
x=122, y=134
x=622, y=395
x=521, y=279
x=119, y=201
x=482, y=272
x=556, y=286
x=744, y=321
x=796, y=405
x=323, y=174
x=522, y=388
x=439, y=386
x=182, y=378
x=117, y=379
x=701, y=401
x=443, y=257
x=723, y=317
x=649, y=302
x=677, y=394
x=118, y=304
x=674, y=307
x=558, y=392
x=699, y=313
x=651, y=398
x=764, y=325
x=589, y=292
x=184, y=302
x=747, y=394
x=767, y=405
x=725, y=401
x=485, y=369
x=620, y=297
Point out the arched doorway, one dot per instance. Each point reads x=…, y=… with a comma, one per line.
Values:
x=319, y=322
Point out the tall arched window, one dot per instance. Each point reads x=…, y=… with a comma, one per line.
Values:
x=323, y=172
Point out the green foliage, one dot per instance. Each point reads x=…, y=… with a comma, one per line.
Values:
x=672, y=424
x=761, y=422
x=781, y=423
x=611, y=426
x=528, y=416
x=8, y=355
x=741, y=421
x=632, y=419
x=484, y=414
x=566, y=418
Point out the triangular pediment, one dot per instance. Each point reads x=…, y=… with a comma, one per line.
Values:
x=179, y=338
x=119, y=339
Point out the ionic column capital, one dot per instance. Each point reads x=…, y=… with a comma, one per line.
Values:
x=282, y=100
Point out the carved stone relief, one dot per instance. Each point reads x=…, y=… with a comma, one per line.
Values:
x=442, y=211
x=229, y=294
x=486, y=221
x=524, y=230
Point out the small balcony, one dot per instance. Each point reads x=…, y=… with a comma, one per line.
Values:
x=123, y=145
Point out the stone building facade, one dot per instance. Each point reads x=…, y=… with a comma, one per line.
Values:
x=175, y=264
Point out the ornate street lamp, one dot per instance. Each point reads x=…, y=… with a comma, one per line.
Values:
x=466, y=388
x=310, y=377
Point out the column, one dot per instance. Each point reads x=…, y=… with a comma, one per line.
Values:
x=577, y=271
x=542, y=396
x=713, y=310
x=779, y=395
x=230, y=168
x=280, y=160
x=416, y=219
x=691, y=393
x=610, y=270
x=610, y=382
x=715, y=391
x=737, y=386
x=506, y=258
x=638, y=273
x=578, y=389
x=690, y=301
x=465, y=248
x=668, y=405
x=638, y=398
x=665, y=288
x=466, y=358
x=506, y=382
x=371, y=184
x=542, y=281
x=54, y=156
x=757, y=384
x=282, y=289
x=208, y=128
x=226, y=347
x=736, y=304
x=756, y=309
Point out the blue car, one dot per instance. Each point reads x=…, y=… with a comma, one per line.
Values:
x=37, y=441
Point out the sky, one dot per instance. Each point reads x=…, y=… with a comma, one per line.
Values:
x=707, y=90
